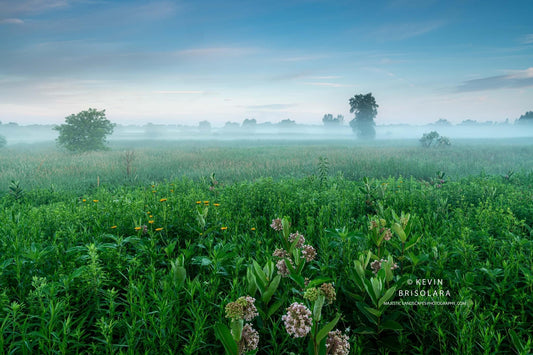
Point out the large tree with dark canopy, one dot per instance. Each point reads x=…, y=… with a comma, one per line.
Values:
x=85, y=131
x=365, y=109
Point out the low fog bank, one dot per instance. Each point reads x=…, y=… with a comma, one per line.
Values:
x=16, y=134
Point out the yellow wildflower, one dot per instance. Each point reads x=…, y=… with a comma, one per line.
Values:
x=151, y=221
x=95, y=201
x=216, y=204
x=113, y=227
x=163, y=200
x=223, y=228
x=137, y=228
x=159, y=229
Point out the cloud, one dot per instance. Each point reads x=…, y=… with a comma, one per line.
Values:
x=179, y=92
x=304, y=58
x=215, y=52
x=513, y=80
x=527, y=39
x=332, y=85
x=18, y=7
x=402, y=31
x=270, y=107
x=11, y=21
x=291, y=76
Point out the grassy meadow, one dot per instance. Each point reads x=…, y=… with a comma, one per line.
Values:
x=140, y=249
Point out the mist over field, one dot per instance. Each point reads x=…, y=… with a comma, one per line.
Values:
x=44, y=133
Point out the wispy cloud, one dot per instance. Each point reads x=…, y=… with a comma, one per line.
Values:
x=402, y=31
x=291, y=76
x=179, y=92
x=216, y=52
x=270, y=107
x=515, y=79
x=527, y=39
x=331, y=85
x=21, y=7
x=11, y=21
x=304, y=58
x=326, y=77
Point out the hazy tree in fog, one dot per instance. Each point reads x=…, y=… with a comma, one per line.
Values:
x=435, y=139
x=330, y=121
x=469, y=122
x=443, y=122
x=85, y=131
x=3, y=141
x=365, y=109
x=287, y=123
x=231, y=126
x=204, y=126
x=249, y=122
x=526, y=118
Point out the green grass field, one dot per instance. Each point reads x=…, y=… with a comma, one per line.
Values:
x=427, y=250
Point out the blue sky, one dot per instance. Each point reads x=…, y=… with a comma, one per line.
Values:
x=186, y=61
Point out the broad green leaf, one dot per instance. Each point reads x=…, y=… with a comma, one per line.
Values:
x=388, y=294
x=390, y=324
x=224, y=335
x=267, y=295
x=327, y=328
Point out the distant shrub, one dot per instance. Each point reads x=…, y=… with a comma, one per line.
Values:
x=435, y=139
x=3, y=141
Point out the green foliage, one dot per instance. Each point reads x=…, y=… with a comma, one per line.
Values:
x=85, y=131
x=16, y=192
x=435, y=139
x=365, y=109
x=323, y=169
x=3, y=141
x=76, y=276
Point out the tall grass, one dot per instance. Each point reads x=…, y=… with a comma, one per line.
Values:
x=149, y=265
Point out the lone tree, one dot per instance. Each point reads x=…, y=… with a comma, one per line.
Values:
x=85, y=131
x=365, y=109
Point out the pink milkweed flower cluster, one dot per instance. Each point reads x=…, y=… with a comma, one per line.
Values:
x=243, y=308
x=298, y=320
x=309, y=253
x=249, y=340
x=301, y=239
x=283, y=270
x=277, y=225
x=378, y=264
x=337, y=343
